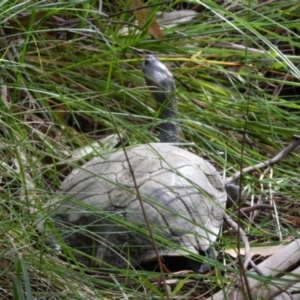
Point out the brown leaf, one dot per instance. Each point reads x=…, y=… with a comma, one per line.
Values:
x=143, y=15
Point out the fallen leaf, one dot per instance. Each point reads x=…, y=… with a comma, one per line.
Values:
x=143, y=16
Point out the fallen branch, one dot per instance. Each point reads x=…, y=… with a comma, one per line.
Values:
x=243, y=236
x=282, y=154
x=247, y=210
x=272, y=269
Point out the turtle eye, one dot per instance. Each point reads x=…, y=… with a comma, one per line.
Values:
x=150, y=59
x=147, y=61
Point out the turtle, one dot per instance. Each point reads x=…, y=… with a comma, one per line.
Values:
x=98, y=213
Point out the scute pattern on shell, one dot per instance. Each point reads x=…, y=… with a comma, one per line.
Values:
x=183, y=195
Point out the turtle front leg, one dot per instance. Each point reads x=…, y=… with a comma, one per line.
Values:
x=199, y=267
x=204, y=268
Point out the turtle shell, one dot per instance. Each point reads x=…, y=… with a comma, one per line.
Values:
x=98, y=211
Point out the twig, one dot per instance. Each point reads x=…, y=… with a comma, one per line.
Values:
x=249, y=209
x=160, y=265
x=282, y=154
x=279, y=289
x=243, y=236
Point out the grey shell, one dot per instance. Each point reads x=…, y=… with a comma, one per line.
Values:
x=99, y=213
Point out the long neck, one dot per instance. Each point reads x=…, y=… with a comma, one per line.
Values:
x=166, y=102
x=169, y=127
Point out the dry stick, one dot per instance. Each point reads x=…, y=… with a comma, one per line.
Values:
x=280, y=290
x=243, y=236
x=142, y=207
x=249, y=209
x=282, y=154
x=247, y=260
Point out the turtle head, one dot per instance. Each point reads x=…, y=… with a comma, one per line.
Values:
x=158, y=78
x=161, y=82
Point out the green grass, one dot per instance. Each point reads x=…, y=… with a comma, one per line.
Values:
x=68, y=79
